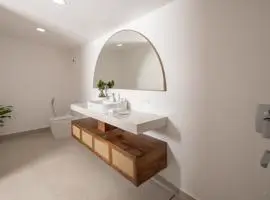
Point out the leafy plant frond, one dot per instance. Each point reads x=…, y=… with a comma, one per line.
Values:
x=110, y=84
x=5, y=112
x=5, y=116
x=101, y=85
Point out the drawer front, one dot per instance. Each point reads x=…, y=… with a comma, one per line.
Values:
x=87, y=139
x=123, y=163
x=76, y=132
x=102, y=149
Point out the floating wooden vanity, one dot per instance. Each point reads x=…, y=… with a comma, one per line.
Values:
x=136, y=157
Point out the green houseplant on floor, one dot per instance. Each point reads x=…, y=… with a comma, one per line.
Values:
x=5, y=112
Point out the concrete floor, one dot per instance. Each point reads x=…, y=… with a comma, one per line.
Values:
x=37, y=167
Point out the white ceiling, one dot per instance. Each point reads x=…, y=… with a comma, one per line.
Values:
x=14, y=25
x=79, y=20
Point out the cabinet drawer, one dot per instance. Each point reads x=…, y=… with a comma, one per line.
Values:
x=76, y=132
x=123, y=163
x=102, y=149
x=87, y=139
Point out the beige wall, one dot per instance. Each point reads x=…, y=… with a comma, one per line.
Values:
x=217, y=64
x=30, y=76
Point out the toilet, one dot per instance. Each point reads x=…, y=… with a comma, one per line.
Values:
x=61, y=126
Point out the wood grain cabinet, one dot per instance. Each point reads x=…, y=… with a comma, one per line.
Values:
x=101, y=147
x=76, y=132
x=136, y=157
x=123, y=163
x=87, y=139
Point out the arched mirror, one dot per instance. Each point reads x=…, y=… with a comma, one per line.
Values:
x=132, y=62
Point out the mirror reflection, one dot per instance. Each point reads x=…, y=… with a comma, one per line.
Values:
x=130, y=60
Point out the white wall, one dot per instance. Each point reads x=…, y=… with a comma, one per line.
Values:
x=217, y=64
x=30, y=75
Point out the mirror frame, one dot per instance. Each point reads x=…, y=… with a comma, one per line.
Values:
x=154, y=48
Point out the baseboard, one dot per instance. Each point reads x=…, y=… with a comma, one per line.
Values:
x=176, y=192
x=35, y=131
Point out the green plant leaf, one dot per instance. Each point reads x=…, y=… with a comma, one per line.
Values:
x=110, y=84
x=4, y=113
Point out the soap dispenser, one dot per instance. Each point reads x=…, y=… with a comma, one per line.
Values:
x=124, y=104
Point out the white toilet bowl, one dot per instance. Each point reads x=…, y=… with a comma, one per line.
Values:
x=61, y=126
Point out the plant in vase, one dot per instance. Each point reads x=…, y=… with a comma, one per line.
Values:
x=109, y=85
x=101, y=85
x=5, y=112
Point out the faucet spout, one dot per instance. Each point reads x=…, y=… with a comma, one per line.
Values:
x=265, y=159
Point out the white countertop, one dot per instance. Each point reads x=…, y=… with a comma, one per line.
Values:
x=136, y=122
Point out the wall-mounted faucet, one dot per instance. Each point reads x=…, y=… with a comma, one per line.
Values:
x=265, y=159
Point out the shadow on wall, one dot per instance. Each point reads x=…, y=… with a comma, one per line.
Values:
x=170, y=131
x=172, y=173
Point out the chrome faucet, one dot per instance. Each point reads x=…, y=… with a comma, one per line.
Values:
x=265, y=159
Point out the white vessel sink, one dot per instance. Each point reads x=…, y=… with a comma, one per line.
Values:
x=95, y=105
x=101, y=105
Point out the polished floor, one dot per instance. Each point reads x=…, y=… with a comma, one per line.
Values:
x=37, y=167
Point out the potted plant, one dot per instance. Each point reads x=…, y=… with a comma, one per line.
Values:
x=109, y=85
x=101, y=85
x=5, y=112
